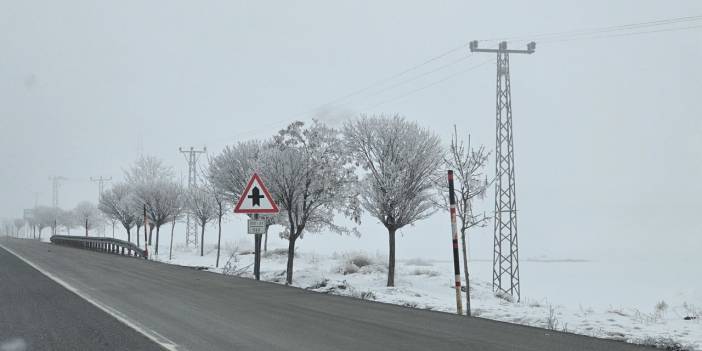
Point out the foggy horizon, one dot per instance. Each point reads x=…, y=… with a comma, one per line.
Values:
x=607, y=162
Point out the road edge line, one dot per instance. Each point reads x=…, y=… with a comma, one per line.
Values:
x=148, y=333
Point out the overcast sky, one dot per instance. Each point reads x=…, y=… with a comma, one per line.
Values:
x=608, y=136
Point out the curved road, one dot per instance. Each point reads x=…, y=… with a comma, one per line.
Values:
x=185, y=309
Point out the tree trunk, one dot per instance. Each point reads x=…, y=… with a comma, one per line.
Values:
x=158, y=238
x=129, y=235
x=219, y=236
x=391, y=257
x=291, y=258
x=202, y=241
x=465, y=270
x=170, y=250
x=151, y=232
x=265, y=241
x=86, y=227
x=137, y=236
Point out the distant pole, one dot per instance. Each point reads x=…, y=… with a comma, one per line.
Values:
x=146, y=240
x=454, y=232
x=86, y=227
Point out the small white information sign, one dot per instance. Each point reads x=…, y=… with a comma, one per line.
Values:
x=257, y=226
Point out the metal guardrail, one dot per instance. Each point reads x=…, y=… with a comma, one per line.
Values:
x=109, y=245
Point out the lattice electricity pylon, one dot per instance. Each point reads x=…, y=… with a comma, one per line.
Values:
x=191, y=156
x=505, y=261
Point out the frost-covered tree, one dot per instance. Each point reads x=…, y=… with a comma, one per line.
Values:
x=231, y=170
x=32, y=223
x=87, y=215
x=45, y=217
x=18, y=223
x=143, y=177
x=117, y=204
x=221, y=199
x=66, y=219
x=147, y=169
x=177, y=211
x=162, y=199
x=202, y=205
x=311, y=178
x=402, y=160
x=470, y=183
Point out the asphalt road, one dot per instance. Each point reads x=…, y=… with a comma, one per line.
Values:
x=36, y=313
x=196, y=310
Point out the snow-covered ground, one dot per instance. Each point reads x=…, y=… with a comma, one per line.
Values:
x=428, y=284
x=642, y=301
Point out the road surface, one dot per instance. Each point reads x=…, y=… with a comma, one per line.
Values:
x=185, y=309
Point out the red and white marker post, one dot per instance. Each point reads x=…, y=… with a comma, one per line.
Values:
x=454, y=232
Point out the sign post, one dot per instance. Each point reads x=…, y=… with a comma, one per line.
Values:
x=255, y=200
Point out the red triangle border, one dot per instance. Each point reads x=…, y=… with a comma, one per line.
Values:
x=242, y=198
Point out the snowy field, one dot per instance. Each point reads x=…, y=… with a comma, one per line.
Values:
x=634, y=301
x=576, y=301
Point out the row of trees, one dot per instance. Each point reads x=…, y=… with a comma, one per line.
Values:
x=389, y=167
x=85, y=215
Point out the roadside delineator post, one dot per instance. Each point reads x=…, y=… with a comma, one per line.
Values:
x=454, y=232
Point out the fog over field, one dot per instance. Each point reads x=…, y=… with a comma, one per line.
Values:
x=608, y=139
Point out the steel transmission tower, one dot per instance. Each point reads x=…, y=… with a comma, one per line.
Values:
x=55, y=185
x=101, y=185
x=505, y=259
x=191, y=156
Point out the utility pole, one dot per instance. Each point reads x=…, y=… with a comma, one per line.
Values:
x=191, y=156
x=101, y=188
x=101, y=185
x=505, y=259
x=55, y=185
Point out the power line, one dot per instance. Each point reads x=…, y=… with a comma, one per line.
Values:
x=551, y=37
x=453, y=75
x=604, y=29
x=621, y=34
x=396, y=75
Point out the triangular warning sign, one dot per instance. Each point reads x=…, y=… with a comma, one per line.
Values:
x=255, y=198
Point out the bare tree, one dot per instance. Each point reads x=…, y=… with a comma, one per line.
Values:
x=402, y=160
x=18, y=223
x=88, y=215
x=117, y=204
x=162, y=199
x=32, y=223
x=220, y=197
x=311, y=178
x=44, y=217
x=145, y=175
x=470, y=182
x=179, y=208
x=67, y=219
x=202, y=206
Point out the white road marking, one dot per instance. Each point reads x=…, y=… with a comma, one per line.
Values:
x=150, y=334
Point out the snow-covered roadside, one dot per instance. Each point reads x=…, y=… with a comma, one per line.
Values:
x=428, y=285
